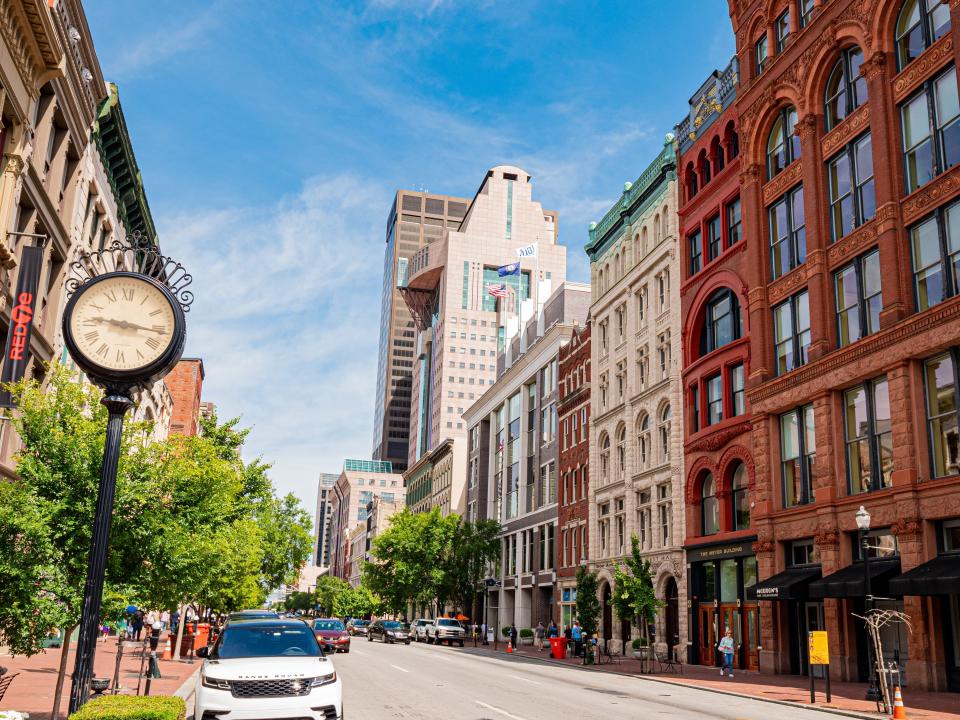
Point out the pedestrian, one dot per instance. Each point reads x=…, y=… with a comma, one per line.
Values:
x=726, y=648
x=137, y=624
x=483, y=629
x=106, y=631
x=552, y=630
x=151, y=619
x=513, y=635
x=538, y=635
x=576, y=632
x=174, y=621
x=164, y=619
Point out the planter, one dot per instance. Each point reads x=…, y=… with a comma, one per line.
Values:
x=643, y=653
x=526, y=641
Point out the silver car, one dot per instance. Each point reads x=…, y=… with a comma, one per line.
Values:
x=419, y=629
x=446, y=630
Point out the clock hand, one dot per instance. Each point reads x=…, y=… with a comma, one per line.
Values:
x=125, y=324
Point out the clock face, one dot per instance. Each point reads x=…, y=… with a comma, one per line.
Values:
x=122, y=323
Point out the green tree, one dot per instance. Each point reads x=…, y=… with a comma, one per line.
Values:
x=356, y=602
x=328, y=588
x=302, y=601
x=633, y=596
x=286, y=542
x=588, y=604
x=473, y=547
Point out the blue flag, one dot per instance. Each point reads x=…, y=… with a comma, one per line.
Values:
x=511, y=269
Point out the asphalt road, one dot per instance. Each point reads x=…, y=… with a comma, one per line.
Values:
x=425, y=682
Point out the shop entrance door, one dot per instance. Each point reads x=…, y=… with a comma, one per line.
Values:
x=708, y=637
x=811, y=619
x=751, y=633
x=730, y=620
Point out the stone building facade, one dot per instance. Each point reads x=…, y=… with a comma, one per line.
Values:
x=636, y=459
x=848, y=115
x=573, y=416
x=721, y=566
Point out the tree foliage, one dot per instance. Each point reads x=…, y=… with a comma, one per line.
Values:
x=328, y=587
x=633, y=596
x=588, y=604
x=473, y=547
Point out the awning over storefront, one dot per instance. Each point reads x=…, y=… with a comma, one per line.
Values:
x=940, y=576
x=791, y=584
x=848, y=582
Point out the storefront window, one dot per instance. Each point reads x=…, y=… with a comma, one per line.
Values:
x=749, y=572
x=709, y=582
x=728, y=581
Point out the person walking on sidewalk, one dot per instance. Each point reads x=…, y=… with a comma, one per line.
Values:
x=577, y=634
x=726, y=649
x=513, y=635
x=552, y=631
x=137, y=624
x=538, y=633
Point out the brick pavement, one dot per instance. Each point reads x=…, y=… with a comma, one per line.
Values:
x=32, y=690
x=847, y=698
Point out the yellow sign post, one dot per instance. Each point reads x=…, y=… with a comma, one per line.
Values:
x=819, y=654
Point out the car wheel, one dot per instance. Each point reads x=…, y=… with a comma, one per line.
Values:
x=408, y=642
x=461, y=643
x=369, y=638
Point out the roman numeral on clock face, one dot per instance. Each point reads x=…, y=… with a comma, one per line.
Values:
x=92, y=335
x=102, y=350
x=120, y=356
x=153, y=343
x=127, y=294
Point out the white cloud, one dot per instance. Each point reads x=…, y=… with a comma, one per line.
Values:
x=164, y=43
x=286, y=317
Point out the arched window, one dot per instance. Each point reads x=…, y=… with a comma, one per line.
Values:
x=846, y=87
x=716, y=154
x=721, y=322
x=643, y=244
x=921, y=23
x=741, y=503
x=666, y=222
x=732, y=141
x=622, y=452
x=664, y=431
x=643, y=441
x=656, y=229
x=605, y=459
x=709, y=507
x=691, y=176
x=703, y=166
x=783, y=146
x=637, y=250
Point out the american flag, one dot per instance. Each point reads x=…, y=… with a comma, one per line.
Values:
x=498, y=291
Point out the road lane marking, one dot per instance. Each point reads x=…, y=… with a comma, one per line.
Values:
x=399, y=668
x=498, y=710
x=534, y=682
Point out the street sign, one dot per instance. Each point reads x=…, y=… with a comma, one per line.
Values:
x=819, y=649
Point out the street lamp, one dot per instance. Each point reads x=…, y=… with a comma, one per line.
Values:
x=863, y=523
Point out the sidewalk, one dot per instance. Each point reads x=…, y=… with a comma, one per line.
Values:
x=32, y=690
x=847, y=698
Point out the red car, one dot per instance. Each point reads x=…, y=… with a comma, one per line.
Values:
x=332, y=635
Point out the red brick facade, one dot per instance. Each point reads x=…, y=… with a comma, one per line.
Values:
x=573, y=416
x=841, y=410
x=185, y=383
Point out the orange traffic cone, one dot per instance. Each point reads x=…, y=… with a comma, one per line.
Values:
x=899, y=711
x=167, y=651
x=509, y=646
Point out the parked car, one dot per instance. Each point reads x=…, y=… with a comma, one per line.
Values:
x=358, y=627
x=446, y=630
x=332, y=634
x=389, y=631
x=267, y=668
x=418, y=629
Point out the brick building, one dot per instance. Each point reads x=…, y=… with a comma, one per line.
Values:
x=721, y=566
x=573, y=413
x=185, y=383
x=849, y=119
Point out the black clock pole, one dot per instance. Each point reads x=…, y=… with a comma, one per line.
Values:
x=117, y=404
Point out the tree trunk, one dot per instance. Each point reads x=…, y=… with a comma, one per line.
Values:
x=183, y=620
x=61, y=673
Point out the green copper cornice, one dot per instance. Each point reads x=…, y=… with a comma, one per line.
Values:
x=113, y=141
x=636, y=199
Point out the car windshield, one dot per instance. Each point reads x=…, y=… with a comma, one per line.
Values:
x=448, y=623
x=361, y=623
x=328, y=625
x=391, y=625
x=239, y=641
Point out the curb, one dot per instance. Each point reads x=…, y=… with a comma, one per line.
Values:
x=665, y=681
x=188, y=686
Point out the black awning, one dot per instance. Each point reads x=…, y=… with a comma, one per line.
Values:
x=940, y=576
x=791, y=584
x=848, y=582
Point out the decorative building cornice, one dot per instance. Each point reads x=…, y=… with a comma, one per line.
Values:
x=826, y=538
x=852, y=244
x=909, y=527
x=933, y=193
x=791, y=175
x=929, y=62
x=788, y=284
x=716, y=440
x=855, y=123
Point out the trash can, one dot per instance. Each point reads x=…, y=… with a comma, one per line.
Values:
x=202, y=636
x=558, y=648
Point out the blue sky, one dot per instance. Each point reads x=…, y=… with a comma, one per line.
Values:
x=272, y=136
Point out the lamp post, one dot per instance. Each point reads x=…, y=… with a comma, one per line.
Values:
x=863, y=523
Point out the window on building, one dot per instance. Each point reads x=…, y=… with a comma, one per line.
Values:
x=722, y=322
x=621, y=525
x=802, y=552
x=737, y=387
x=935, y=246
x=733, y=222
x=713, y=237
x=739, y=497
x=694, y=408
x=868, y=436
x=642, y=367
x=714, y=387
x=664, y=511
x=858, y=298
x=791, y=331
x=921, y=23
x=783, y=146
x=663, y=354
x=850, y=182
x=761, y=54
x=806, y=12
x=798, y=447
x=643, y=440
x=605, y=459
x=696, y=253
x=709, y=507
x=846, y=87
x=782, y=29
x=644, y=520
x=621, y=378
x=788, y=238
x=940, y=376
x=621, y=452
x=664, y=430
x=931, y=130
x=621, y=318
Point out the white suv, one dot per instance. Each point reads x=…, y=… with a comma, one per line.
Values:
x=420, y=629
x=446, y=630
x=265, y=669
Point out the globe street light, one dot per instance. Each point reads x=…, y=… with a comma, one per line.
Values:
x=863, y=523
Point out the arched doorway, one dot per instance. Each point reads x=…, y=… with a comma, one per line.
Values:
x=673, y=614
x=607, y=613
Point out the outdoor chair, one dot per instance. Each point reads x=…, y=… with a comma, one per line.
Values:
x=5, y=683
x=664, y=661
x=609, y=657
